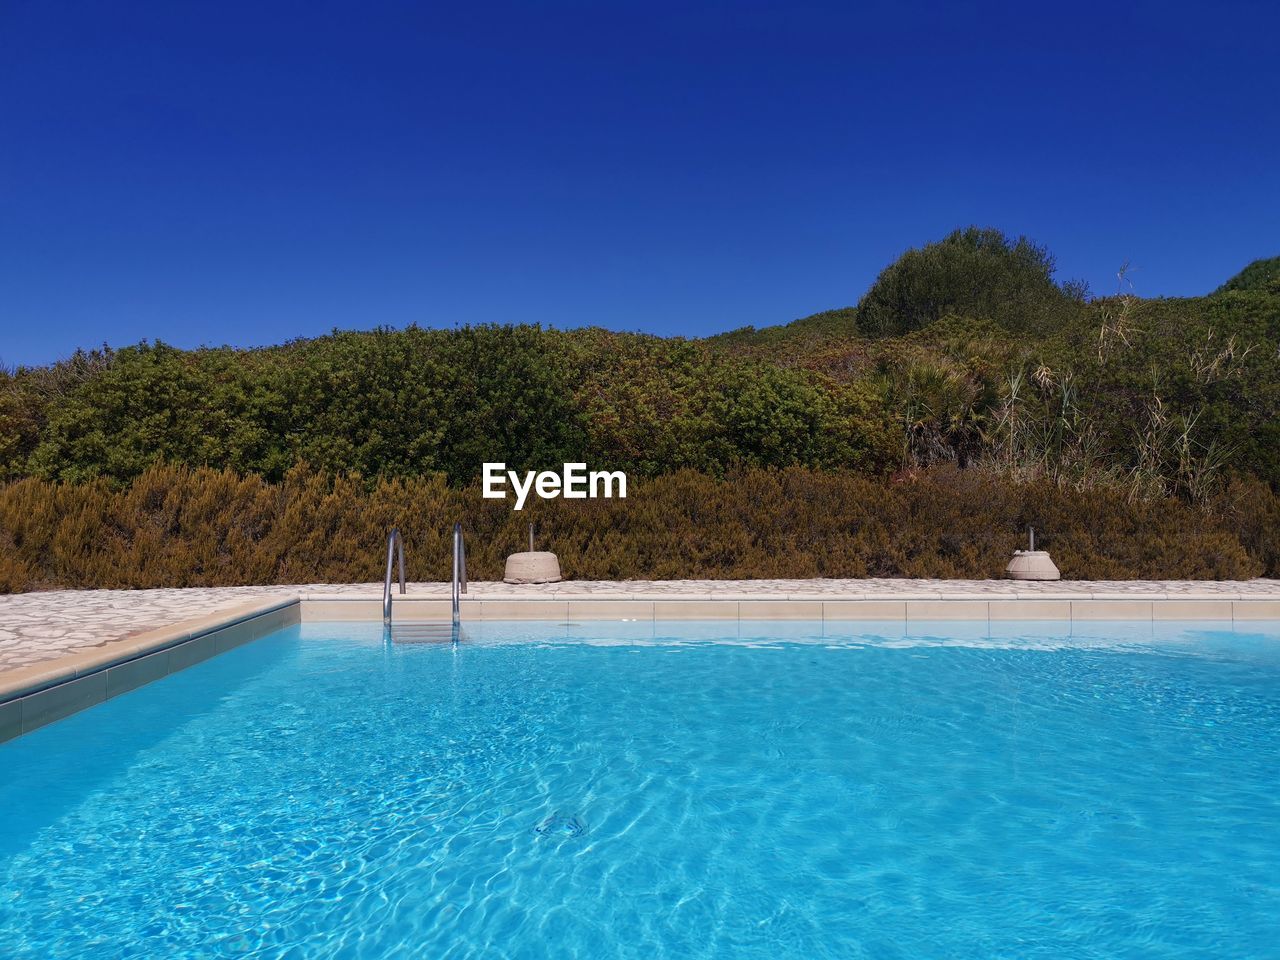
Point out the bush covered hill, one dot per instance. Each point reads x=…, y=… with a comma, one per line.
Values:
x=966, y=354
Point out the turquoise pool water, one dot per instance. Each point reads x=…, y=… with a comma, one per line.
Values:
x=595, y=791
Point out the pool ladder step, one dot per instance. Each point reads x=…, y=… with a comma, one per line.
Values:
x=423, y=631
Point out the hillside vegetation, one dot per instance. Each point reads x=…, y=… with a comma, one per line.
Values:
x=1260, y=276
x=965, y=355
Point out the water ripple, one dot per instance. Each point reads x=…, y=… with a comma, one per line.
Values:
x=807, y=798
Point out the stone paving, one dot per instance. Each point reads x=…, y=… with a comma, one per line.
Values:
x=35, y=627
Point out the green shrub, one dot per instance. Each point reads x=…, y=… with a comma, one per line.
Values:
x=972, y=272
x=417, y=402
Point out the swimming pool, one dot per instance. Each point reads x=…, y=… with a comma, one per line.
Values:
x=595, y=790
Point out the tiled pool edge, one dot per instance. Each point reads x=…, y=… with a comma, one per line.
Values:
x=320, y=607
x=32, y=697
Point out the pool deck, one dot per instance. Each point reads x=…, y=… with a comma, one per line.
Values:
x=45, y=626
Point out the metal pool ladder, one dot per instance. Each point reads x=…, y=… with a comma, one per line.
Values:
x=459, y=586
x=424, y=631
x=395, y=546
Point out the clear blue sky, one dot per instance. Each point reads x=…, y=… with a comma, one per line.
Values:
x=247, y=173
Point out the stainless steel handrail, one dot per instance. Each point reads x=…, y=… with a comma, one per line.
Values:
x=459, y=586
x=395, y=546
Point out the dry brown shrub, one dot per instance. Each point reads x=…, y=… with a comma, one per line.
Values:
x=180, y=526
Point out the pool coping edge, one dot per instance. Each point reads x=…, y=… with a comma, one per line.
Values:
x=34, y=696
